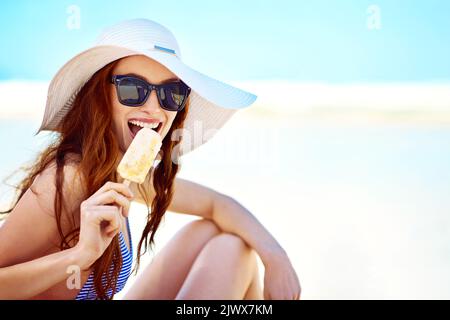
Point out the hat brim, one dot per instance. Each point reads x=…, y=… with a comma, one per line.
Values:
x=212, y=102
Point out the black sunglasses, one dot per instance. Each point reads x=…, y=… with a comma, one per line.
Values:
x=134, y=92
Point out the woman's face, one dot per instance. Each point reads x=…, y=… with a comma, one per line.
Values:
x=153, y=72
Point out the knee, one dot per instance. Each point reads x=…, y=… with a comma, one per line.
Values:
x=232, y=242
x=234, y=248
x=204, y=226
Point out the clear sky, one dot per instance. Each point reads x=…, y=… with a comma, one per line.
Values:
x=341, y=41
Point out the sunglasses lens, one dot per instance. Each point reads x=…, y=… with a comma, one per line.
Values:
x=132, y=91
x=173, y=96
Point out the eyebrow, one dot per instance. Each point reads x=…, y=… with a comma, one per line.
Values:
x=143, y=78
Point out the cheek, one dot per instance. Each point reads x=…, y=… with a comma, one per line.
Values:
x=170, y=116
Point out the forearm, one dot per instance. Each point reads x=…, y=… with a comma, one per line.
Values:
x=25, y=280
x=232, y=217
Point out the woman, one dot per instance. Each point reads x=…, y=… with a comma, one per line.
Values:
x=67, y=236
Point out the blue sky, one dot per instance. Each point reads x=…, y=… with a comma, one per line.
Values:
x=317, y=40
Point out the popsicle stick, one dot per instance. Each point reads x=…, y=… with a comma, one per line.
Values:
x=127, y=183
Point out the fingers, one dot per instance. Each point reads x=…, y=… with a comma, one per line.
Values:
x=118, y=187
x=111, y=196
x=110, y=215
x=281, y=292
x=112, y=193
x=102, y=217
x=124, y=211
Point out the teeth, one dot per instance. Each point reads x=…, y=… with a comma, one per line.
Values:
x=144, y=125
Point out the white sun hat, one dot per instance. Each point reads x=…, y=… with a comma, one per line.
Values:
x=212, y=102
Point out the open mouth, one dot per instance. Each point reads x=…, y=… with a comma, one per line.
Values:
x=134, y=128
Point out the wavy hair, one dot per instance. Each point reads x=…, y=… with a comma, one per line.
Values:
x=86, y=131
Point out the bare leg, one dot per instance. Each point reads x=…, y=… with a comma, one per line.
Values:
x=224, y=269
x=255, y=291
x=164, y=276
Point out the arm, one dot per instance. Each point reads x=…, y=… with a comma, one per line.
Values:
x=227, y=213
x=26, y=280
x=194, y=199
x=28, y=234
x=280, y=278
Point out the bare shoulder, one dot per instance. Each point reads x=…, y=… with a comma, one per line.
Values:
x=45, y=184
x=30, y=230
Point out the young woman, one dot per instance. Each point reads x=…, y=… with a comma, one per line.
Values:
x=71, y=215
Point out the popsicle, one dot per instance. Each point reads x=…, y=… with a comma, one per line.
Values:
x=139, y=157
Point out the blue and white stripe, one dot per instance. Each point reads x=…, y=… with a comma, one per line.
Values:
x=88, y=291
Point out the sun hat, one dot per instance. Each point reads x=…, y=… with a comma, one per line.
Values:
x=212, y=102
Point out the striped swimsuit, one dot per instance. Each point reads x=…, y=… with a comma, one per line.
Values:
x=88, y=290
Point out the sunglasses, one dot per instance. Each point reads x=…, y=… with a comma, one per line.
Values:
x=134, y=92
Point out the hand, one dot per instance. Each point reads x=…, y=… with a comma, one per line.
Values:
x=101, y=220
x=280, y=279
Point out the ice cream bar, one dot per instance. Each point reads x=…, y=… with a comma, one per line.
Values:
x=139, y=157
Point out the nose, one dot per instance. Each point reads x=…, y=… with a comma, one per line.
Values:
x=152, y=104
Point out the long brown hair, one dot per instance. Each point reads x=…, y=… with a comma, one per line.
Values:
x=88, y=127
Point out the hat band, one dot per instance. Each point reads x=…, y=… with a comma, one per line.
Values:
x=164, y=49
